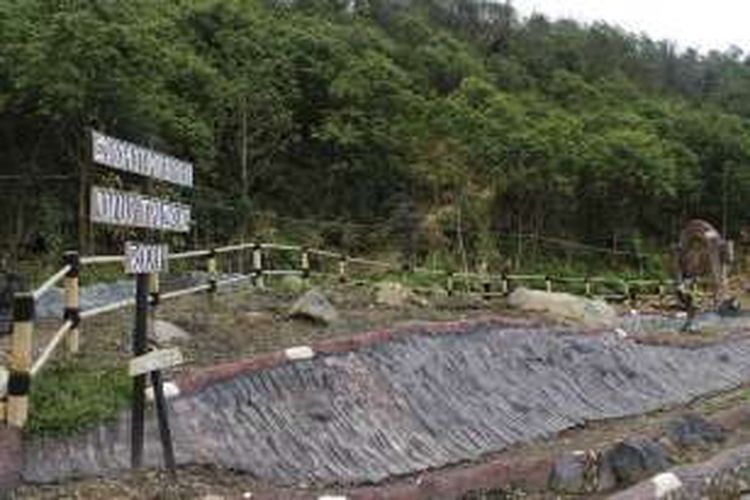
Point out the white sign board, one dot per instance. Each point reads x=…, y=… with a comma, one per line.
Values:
x=141, y=258
x=129, y=157
x=154, y=361
x=120, y=208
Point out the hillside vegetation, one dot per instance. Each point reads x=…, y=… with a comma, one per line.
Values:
x=448, y=127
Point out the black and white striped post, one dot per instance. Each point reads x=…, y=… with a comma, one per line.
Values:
x=19, y=380
x=212, y=269
x=72, y=311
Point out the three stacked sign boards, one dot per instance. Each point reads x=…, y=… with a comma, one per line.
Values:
x=133, y=209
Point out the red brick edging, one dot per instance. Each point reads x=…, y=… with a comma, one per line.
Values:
x=197, y=380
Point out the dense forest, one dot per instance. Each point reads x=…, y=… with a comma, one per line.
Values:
x=444, y=126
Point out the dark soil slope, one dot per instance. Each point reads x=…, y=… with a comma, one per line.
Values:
x=409, y=404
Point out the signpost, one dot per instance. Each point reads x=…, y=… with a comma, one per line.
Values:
x=128, y=157
x=155, y=361
x=122, y=208
x=141, y=258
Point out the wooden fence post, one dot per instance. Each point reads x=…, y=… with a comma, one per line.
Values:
x=19, y=381
x=153, y=288
x=305, y=264
x=587, y=284
x=212, y=269
x=504, y=285
x=449, y=285
x=548, y=284
x=342, y=268
x=73, y=301
x=258, y=265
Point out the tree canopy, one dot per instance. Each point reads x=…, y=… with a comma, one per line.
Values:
x=351, y=111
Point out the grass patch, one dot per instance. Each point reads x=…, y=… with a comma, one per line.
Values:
x=66, y=399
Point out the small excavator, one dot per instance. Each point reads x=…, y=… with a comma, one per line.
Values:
x=703, y=253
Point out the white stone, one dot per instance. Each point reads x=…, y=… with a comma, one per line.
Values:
x=315, y=306
x=171, y=390
x=299, y=353
x=665, y=483
x=564, y=307
x=393, y=294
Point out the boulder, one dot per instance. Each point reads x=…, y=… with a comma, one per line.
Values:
x=258, y=318
x=634, y=459
x=564, y=307
x=693, y=430
x=314, y=306
x=165, y=332
x=569, y=473
x=393, y=294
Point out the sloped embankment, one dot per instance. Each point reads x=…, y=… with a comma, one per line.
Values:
x=411, y=403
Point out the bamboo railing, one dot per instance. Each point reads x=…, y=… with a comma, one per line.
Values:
x=23, y=367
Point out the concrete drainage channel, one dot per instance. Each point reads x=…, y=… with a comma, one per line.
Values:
x=382, y=406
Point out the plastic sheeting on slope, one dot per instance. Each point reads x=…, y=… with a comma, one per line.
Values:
x=407, y=405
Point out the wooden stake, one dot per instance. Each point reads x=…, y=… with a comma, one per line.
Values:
x=19, y=382
x=212, y=269
x=258, y=266
x=342, y=269
x=305, y=264
x=72, y=302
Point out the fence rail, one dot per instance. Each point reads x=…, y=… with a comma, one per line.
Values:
x=52, y=281
x=23, y=369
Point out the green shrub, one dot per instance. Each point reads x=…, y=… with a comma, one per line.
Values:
x=66, y=399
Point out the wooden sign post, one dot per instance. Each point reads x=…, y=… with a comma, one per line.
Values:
x=121, y=208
